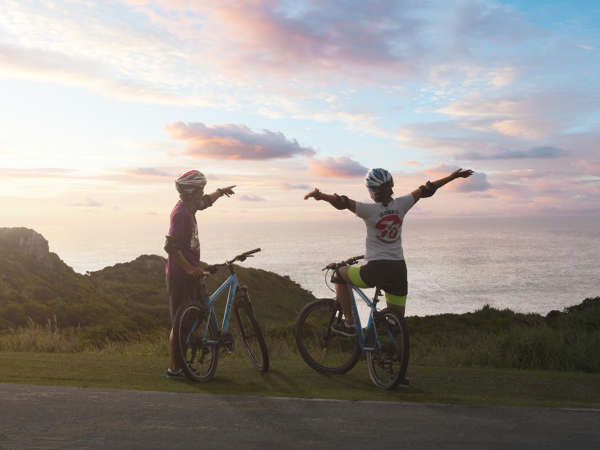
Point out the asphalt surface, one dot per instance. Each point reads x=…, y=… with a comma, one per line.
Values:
x=63, y=417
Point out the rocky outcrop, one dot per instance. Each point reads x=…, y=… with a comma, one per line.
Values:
x=24, y=241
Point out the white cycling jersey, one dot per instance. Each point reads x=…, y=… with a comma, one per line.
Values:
x=384, y=227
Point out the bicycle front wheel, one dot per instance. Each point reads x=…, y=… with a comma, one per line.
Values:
x=196, y=342
x=251, y=334
x=388, y=362
x=322, y=348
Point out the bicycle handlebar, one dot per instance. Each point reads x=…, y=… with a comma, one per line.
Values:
x=348, y=262
x=243, y=256
x=240, y=257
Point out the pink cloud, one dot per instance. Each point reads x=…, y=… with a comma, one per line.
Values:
x=396, y=38
x=147, y=172
x=541, y=152
x=439, y=171
x=7, y=172
x=408, y=163
x=589, y=167
x=235, y=142
x=265, y=35
x=88, y=203
x=252, y=198
x=475, y=183
x=289, y=187
x=530, y=116
x=338, y=167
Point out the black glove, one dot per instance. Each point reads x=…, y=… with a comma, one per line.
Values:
x=427, y=190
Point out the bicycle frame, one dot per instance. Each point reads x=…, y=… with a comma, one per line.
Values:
x=232, y=282
x=362, y=336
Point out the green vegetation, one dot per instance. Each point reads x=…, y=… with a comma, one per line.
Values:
x=118, y=303
x=47, y=307
x=292, y=378
x=567, y=340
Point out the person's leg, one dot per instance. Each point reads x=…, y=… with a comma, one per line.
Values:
x=352, y=275
x=173, y=305
x=177, y=288
x=172, y=363
x=344, y=296
x=395, y=296
x=397, y=303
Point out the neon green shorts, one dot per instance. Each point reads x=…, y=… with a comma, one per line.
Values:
x=389, y=275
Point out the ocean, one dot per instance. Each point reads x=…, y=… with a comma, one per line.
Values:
x=527, y=264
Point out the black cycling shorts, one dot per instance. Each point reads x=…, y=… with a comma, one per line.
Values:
x=389, y=275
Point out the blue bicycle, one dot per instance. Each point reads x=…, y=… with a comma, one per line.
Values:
x=384, y=339
x=198, y=336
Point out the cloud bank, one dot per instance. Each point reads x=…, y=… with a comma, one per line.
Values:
x=235, y=142
x=339, y=167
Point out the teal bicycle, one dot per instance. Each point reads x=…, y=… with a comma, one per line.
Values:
x=198, y=337
x=384, y=339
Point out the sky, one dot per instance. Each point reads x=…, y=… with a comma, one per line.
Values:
x=105, y=103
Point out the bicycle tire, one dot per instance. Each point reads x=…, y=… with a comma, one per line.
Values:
x=188, y=343
x=323, y=350
x=251, y=334
x=387, y=365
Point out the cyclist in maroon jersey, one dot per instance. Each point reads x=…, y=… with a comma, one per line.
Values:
x=183, y=246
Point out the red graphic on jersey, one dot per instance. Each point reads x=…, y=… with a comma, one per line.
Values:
x=390, y=228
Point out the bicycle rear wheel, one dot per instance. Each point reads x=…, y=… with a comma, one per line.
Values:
x=251, y=334
x=196, y=342
x=387, y=364
x=323, y=349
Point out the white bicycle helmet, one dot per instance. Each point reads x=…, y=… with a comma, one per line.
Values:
x=376, y=178
x=190, y=182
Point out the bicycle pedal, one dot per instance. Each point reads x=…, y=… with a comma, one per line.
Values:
x=226, y=339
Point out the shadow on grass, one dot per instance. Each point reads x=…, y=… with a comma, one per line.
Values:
x=293, y=378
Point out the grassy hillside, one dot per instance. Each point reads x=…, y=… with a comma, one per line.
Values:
x=141, y=282
x=46, y=306
x=567, y=340
x=117, y=302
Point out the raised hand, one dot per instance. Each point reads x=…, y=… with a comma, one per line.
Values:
x=459, y=173
x=315, y=193
x=228, y=191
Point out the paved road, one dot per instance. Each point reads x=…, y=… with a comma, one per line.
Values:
x=63, y=417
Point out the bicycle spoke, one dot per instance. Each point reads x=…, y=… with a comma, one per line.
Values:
x=387, y=363
x=197, y=358
x=251, y=334
x=322, y=349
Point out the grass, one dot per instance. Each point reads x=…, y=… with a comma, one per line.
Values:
x=292, y=378
x=475, y=358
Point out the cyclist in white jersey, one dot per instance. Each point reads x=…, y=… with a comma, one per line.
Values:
x=383, y=219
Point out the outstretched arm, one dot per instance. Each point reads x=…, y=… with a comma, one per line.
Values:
x=427, y=190
x=228, y=191
x=337, y=201
x=209, y=199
